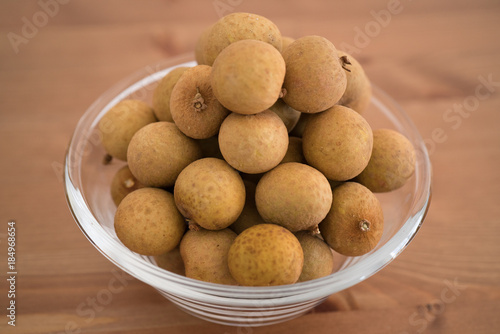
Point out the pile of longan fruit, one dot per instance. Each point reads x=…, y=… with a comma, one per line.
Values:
x=256, y=165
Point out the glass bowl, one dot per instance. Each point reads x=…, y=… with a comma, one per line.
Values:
x=87, y=184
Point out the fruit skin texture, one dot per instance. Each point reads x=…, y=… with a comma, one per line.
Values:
x=294, y=152
x=293, y=195
x=193, y=106
x=210, y=193
x=391, y=164
x=318, y=257
x=120, y=123
x=123, y=183
x=148, y=222
x=253, y=143
x=338, y=142
x=353, y=205
x=247, y=76
x=171, y=261
x=159, y=152
x=162, y=93
x=205, y=255
x=265, y=254
x=288, y=115
x=239, y=26
x=315, y=79
x=358, y=92
x=285, y=42
x=200, y=46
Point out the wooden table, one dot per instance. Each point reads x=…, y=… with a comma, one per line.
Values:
x=430, y=56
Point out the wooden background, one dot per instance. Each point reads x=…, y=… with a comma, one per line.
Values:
x=429, y=57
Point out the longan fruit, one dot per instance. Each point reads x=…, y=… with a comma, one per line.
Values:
x=285, y=42
x=123, y=183
x=162, y=93
x=193, y=106
x=338, y=142
x=288, y=115
x=148, y=222
x=315, y=79
x=318, y=257
x=253, y=143
x=391, y=164
x=247, y=76
x=200, y=46
x=171, y=261
x=293, y=195
x=159, y=152
x=249, y=216
x=264, y=255
x=294, y=152
x=358, y=91
x=120, y=123
x=236, y=27
x=210, y=193
x=355, y=223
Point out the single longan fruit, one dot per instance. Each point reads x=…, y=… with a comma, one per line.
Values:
x=200, y=46
x=193, y=106
x=338, y=142
x=236, y=27
x=318, y=257
x=358, y=92
x=315, y=79
x=293, y=195
x=247, y=76
x=210, y=193
x=391, y=164
x=123, y=183
x=162, y=93
x=253, y=143
x=288, y=115
x=249, y=216
x=148, y=222
x=171, y=261
x=159, y=152
x=355, y=223
x=265, y=254
x=120, y=123
x=294, y=152
x=205, y=255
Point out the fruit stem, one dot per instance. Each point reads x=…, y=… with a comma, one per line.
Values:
x=198, y=101
x=364, y=225
x=345, y=61
x=282, y=93
x=192, y=225
x=313, y=230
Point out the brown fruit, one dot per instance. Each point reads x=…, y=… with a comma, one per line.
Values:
x=122, y=184
x=253, y=143
x=210, y=193
x=355, y=223
x=318, y=257
x=200, y=46
x=288, y=115
x=159, y=152
x=120, y=123
x=236, y=27
x=285, y=42
x=314, y=79
x=193, y=106
x=210, y=147
x=299, y=128
x=171, y=261
x=249, y=216
x=205, y=255
x=358, y=92
x=162, y=93
x=338, y=142
x=247, y=76
x=265, y=254
x=391, y=164
x=147, y=222
x=293, y=195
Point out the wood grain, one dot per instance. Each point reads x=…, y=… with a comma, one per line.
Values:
x=429, y=57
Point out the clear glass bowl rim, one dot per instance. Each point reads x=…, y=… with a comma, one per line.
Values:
x=239, y=296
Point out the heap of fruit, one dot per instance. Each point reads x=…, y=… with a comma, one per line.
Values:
x=252, y=166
